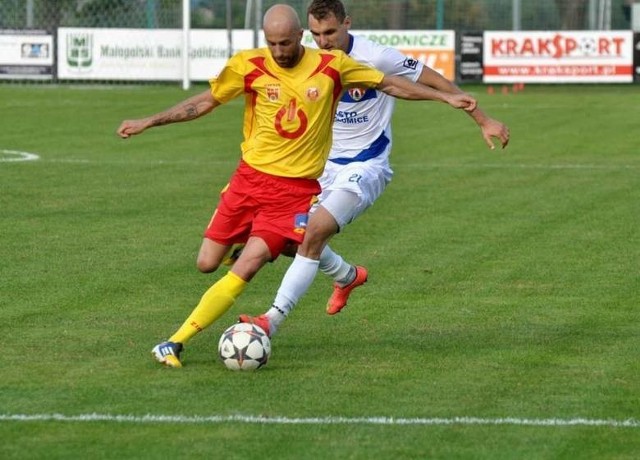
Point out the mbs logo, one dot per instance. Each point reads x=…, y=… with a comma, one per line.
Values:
x=291, y=115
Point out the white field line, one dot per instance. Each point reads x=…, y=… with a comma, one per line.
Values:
x=259, y=419
x=230, y=161
x=19, y=156
x=593, y=167
x=234, y=160
x=16, y=155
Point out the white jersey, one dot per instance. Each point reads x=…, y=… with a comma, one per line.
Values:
x=362, y=125
x=359, y=158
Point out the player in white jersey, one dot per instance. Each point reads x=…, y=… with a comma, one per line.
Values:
x=358, y=169
x=359, y=158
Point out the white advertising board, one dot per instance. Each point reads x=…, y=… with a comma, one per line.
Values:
x=558, y=57
x=156, y=55
x=142, y=54
x=26, y=55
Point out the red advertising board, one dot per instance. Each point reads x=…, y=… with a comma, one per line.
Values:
x=558, y=57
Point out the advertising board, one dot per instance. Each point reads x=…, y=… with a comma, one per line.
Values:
x=558, y=57
x=26, y=54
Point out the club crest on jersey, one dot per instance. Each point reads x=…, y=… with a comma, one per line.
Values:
x=313, y=94
x=356, y=94
x=410, y=63
x=273, y=92
x=300, y=223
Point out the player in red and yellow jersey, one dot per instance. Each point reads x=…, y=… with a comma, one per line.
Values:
x=289, y=110
x=291, y=93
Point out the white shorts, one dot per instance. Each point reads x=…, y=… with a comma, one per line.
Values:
x=366, y=179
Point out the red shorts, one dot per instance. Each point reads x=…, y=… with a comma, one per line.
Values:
x=258, y=204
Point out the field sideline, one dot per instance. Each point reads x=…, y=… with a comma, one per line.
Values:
x=500, y=319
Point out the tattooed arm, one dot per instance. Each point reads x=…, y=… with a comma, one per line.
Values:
x=189, y=109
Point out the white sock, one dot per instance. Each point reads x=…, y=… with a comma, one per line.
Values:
x=276, y=317
x=295, y=284
x=333, y=265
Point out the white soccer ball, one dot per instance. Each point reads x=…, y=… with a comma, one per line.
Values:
x=244, y=347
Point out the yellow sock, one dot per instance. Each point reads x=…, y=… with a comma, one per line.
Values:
x=213, y=304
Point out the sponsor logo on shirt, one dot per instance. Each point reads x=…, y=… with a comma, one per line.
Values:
x=291, y=122
x=410, y=63
x=350, y=117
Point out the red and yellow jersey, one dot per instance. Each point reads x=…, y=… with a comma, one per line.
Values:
x=289, y=111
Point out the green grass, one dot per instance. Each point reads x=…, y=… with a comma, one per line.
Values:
x=503, y=285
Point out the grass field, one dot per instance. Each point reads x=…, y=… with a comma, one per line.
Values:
x=500, y=319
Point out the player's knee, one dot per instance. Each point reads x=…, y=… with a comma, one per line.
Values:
x=246, y=267
x=206, y=265
x=317, y=236
x=313, y=245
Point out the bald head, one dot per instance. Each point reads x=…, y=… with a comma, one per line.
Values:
x=283, y=34
x=283, y=18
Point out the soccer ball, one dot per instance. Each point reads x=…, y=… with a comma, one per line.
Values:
x=244, y=347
